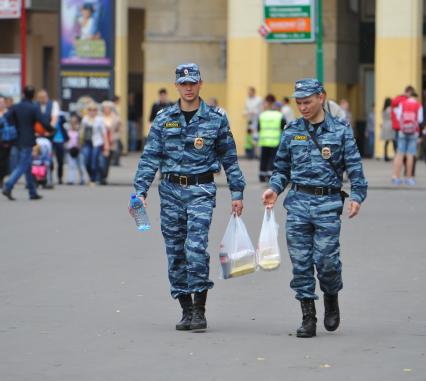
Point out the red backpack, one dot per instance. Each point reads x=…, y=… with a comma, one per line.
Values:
x=409, y=117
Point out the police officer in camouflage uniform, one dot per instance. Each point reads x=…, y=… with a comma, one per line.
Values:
x=188, y=142
x=314, y=203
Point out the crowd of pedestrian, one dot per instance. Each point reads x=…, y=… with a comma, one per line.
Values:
x=36, y=137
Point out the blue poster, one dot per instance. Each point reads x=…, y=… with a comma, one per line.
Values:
x=87, y=32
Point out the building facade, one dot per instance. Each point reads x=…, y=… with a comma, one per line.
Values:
x=372, y=49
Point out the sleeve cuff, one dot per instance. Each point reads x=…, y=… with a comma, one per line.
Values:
x=236, y=195
x=356, y=198
x=275, y=188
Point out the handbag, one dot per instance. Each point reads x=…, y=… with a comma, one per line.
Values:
x=8, y=133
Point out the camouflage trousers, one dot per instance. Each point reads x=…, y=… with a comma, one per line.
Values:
x=186, y=214
x=312, y=232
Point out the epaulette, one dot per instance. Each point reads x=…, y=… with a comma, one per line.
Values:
x=290, y=124
x=219, y=110
x=160, y=111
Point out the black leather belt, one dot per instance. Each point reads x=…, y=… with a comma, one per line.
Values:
x=184, y=180
x=316, y=191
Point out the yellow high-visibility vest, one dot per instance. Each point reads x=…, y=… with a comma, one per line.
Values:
x=270, y=128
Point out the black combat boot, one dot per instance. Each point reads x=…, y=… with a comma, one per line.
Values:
x=198, y=317
x=331, y=312
x=187, y=307
x=309, y=322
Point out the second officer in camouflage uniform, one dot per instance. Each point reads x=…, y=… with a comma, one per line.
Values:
x=188, y=142
x=314, y=203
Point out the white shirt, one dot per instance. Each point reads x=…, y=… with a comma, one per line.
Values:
x=335, y=110
x=253, y=106
x=55, y=109
x=288, y=113
x=98, y=129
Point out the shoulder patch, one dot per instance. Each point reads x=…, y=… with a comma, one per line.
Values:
x=293, y=123
x=219, y=110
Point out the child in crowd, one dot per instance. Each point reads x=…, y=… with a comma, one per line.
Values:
x=249, y=145
x=42, y=162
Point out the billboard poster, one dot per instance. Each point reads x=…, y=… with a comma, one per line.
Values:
x=79, y=87
x=289, y=21
x=87, y=32
x=10, y=9
x=10, y=76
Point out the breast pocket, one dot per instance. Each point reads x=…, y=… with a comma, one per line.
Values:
x=202, y=144
x=172, y=143
x=299, y=151
x=335, y=148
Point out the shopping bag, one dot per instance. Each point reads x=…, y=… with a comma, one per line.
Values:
x=237, y=255
x=268, y=251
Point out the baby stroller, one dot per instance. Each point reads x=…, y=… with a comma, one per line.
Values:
x=39, y=172
x=42, y=161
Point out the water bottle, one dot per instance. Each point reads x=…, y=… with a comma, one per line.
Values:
x=138, y=212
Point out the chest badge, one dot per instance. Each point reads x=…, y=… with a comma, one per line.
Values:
x=326, y=153
x=198, y=143
x=172, y=124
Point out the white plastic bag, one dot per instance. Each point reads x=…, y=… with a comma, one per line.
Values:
x=237, y=255
x=268, y=251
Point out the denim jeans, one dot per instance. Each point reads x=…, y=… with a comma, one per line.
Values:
x=23, y=165
x=97, y=163
x=87, y=155
x=75, y=164
x=133, y=135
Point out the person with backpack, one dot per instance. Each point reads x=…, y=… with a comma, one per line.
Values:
x=410, y=116
x=7, y=139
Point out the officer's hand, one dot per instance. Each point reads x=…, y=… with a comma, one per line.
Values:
x=353, y=208
x=269, y=198
x=237, y=207
x=143, y=202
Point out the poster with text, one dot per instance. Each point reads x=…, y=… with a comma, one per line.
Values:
x=87, y=32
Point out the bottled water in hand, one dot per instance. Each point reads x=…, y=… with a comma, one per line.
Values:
x=138, y=212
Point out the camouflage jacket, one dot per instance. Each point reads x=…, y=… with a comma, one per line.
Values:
x=299, y=161
x=175, y=147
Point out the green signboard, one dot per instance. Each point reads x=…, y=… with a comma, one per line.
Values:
x=289, y=20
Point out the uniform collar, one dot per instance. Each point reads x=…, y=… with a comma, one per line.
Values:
x=202, y=113
x=327, y=125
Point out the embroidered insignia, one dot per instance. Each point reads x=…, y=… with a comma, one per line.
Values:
x=199, y=143
x=326, y=153
x=186, y=72
x=173, y=124
x=301, y=137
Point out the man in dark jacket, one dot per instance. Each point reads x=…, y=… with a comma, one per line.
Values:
x=24, y=115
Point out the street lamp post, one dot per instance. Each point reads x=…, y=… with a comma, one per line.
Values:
x=23, y=45
x=319, y=53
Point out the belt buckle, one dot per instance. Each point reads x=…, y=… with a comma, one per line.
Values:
x=183, y=183
x=319, y=191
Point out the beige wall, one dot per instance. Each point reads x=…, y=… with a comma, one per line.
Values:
x=178, y=32
x=44, y=27
x=399, y=39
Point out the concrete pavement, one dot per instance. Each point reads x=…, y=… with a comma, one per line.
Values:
x=85, y=297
